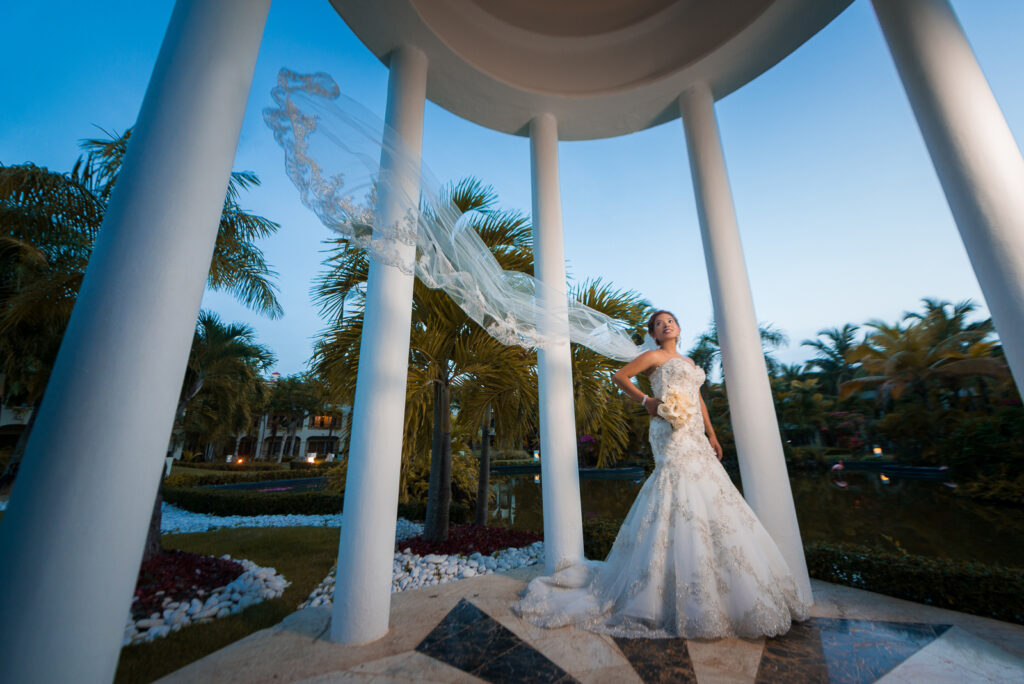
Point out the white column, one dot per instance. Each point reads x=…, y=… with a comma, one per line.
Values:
x=362, y=594
x=72, y=538
x=758, y=442
x=560, y=483
x=974, y=153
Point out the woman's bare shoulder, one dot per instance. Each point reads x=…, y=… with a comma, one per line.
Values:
x=651, y=359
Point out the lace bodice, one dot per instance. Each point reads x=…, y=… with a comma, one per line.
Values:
x=676, y=372
x=679, y=375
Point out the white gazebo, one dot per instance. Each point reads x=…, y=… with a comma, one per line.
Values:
x=73, y=534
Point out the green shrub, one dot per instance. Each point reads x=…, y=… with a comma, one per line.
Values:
x=417, y=510
x=1004, y=487
x=987, y=590
x=307, y=466
x=465, y=470
x=504, y=456
x=241, y=502
x=217, y=477
x=237, y=467
x=598, y=536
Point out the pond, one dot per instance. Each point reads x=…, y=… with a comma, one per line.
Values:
x=924, y=517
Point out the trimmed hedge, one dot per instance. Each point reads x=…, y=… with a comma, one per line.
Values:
x=240, y=502
x=180, y=479
x=598, y=536
x=307, y=466
x=233, y=467
x=986, y=590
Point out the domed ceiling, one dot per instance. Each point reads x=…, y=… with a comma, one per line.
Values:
x=602, y=67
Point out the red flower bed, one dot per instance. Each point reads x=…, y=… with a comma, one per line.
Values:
x=470, y=539
x=177, y=575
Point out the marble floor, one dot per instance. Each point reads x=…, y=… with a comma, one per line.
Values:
x=465, y=632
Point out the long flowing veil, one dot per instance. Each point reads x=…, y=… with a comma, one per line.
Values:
x=333, y=147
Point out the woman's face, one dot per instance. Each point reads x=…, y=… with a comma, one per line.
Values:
x=665, y=327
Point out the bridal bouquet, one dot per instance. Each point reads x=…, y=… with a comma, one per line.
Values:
x=678, y=408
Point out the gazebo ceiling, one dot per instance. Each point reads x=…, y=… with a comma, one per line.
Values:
x=602, y=67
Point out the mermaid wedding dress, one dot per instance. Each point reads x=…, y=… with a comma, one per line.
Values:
x=691, y=559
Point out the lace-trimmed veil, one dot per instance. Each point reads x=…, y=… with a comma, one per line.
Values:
x=333, y=148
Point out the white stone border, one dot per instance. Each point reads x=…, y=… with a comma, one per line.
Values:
x=253, y=586
x=411, y=571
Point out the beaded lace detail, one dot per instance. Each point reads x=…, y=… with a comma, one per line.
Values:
x=691, y=559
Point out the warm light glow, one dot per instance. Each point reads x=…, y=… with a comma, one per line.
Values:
x=877, y=450
x=884, y=477
x=536, y=479
x=311, y=459
x=536, y=455
x=238, y=460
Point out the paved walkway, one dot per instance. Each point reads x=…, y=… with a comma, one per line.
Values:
x=465, y=632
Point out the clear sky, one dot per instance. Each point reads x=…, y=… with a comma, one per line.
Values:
x=840, y=212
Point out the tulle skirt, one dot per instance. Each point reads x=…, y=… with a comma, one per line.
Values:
x=691, y=560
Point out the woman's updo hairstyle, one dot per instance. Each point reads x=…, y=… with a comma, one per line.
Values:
x=650, y=321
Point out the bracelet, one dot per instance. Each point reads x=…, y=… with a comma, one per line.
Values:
x=643, y=402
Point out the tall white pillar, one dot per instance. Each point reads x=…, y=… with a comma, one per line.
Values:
x=974, y=153
x=560, y=483
x=72, y=538
x=758, y=442
x=362, y=593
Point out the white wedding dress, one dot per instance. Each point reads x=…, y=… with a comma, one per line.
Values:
x=691, y=559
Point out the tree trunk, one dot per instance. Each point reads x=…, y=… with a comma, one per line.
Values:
x=154, y=546
x=983, y=392
x=280, y=449
x=483, y=479
x=273, y=436
x=439, y=493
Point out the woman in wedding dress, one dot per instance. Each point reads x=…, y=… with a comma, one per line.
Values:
x=691, y=559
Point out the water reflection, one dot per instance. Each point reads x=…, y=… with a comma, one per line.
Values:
x=920, y=516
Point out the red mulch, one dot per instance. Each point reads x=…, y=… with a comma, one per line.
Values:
x=178, y=575
x=470, y=539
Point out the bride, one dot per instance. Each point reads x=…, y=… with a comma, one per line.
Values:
x=691, y=559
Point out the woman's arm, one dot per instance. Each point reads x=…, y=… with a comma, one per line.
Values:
x=624, y=378
x=709, y=430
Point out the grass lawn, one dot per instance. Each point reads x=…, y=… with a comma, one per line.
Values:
x=302, y=554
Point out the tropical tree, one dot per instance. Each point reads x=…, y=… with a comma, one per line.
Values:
x=831, y=358
x=48, y=225
x=223, y=391
x=917, y=357
x=803, y=408
x=455, y=366
x=292, y=400
x=599, y=411
x=707, y=352
x=448, y=351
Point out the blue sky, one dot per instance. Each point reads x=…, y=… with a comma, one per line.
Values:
x=840, y=212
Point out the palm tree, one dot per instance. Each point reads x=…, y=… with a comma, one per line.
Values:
x=292, y=400
x=448, y=351
x=599, y=413
x=49, y=224
x=802, y=407
x=707, y=352
x=899, y=359
x=454, y=362
x=222, y=392
x=831, y=359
